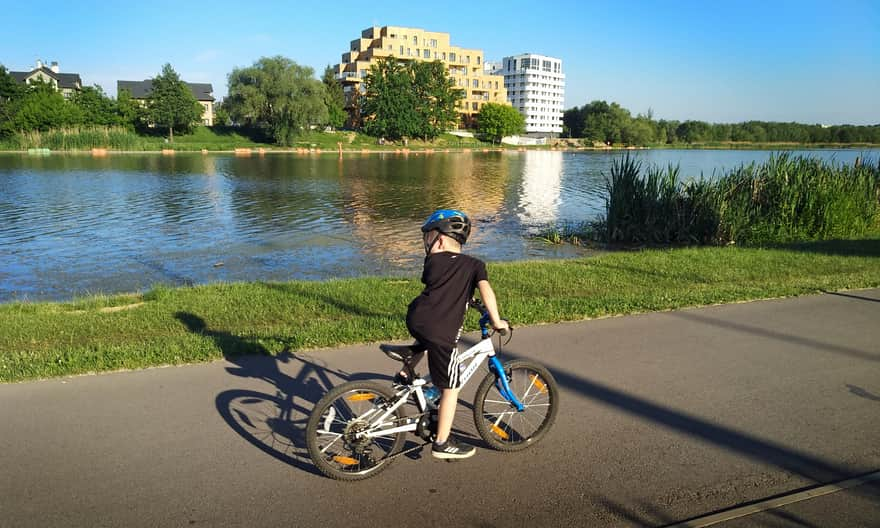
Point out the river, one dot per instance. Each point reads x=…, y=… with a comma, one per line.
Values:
x=72, y=225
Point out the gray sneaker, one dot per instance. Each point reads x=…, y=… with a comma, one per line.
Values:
x=452, y=450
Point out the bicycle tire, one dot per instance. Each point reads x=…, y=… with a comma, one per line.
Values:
x=346, y=461
x=541, y=406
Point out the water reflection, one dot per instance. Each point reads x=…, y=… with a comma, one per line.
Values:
x=540, y=191
x=73, y=224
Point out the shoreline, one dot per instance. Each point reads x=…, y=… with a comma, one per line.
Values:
x=260, y=151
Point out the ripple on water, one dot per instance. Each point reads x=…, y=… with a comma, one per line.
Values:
x=73, y=224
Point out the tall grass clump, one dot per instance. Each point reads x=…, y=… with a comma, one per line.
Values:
x=790, y=199
x=785, y=199
x=657, y=208
x=81, y=138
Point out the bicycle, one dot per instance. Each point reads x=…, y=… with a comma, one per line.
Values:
x=358, y=428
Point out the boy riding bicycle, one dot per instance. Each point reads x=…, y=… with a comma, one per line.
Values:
x=436, y=316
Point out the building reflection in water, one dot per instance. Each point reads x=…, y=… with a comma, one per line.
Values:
x=540, y=195
x=386, y=200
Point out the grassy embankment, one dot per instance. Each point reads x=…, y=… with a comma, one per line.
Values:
x=184, y=325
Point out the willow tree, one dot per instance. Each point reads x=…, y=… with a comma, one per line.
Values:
x=278, y=96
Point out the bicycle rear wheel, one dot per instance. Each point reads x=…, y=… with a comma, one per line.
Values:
x=334, y=434
x=499, y=423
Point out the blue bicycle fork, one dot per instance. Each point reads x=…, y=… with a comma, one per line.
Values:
x=496, y=367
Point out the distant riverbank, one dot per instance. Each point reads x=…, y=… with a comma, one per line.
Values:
x=230, y=140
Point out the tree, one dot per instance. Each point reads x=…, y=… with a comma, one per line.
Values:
x=11, y=92
x=131, y=113
x=496, y=121
x=221, y=114
x=334, y=99
x=10, y=88
x=171, y=104
x=573, y=122
x=389, y=102
x=42, y=107
x=693, y=131
x=436, y=96
x=96, y=108
x=277, y=96
x=409, y=99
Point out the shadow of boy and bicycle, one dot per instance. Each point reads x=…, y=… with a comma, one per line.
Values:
x=274, y=421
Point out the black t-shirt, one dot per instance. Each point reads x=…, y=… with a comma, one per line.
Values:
x=450, y=280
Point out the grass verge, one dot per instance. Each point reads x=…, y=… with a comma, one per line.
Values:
x=185, y=325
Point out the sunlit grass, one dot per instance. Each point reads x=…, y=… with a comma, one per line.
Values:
x=193, y=324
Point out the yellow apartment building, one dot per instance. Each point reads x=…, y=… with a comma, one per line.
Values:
x=466, y=66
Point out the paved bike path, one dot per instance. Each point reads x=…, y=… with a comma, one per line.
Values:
x=664, y=417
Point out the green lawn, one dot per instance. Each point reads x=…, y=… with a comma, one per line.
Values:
x=184, y=325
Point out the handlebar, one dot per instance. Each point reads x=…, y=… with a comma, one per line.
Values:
x=478, y=305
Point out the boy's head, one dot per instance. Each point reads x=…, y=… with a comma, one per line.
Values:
x=448, y=227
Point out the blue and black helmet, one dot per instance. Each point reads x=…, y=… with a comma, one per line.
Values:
x=450, y=222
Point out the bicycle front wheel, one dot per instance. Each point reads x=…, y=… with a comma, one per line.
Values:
x=335, y=434
x=499, y=423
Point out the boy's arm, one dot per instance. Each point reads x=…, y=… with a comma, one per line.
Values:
x=488, y=297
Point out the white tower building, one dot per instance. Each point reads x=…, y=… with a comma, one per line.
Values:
x=536, y=87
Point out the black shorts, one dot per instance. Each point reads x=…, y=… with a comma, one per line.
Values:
x=442, y=361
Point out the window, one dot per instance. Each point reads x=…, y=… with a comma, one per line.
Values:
x=474, y=106
x=401, y=51
x=444, y=55
x=467, y=59
x=415, y=40
x=545, y=65
x=436, y=55
x=478, y=59
x=409, y=52
x=433, y=43
x=476, y=83
x=452, y=57
x=427, y=54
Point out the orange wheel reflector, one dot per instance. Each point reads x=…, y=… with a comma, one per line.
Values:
x=538, y=383
x=361, y=396
x=344, y=460
x=500, y=432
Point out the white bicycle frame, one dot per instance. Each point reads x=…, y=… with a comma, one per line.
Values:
x=469, y=361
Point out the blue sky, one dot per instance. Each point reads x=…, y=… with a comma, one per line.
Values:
x=805, y=61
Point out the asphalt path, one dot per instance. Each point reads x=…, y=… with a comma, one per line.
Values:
x=665, y=417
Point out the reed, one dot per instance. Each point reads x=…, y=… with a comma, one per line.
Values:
x=784, y=200
x=82, y=138
x=791, y=199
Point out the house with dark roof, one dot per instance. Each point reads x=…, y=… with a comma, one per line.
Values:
x=66, y=83
x=203, y=92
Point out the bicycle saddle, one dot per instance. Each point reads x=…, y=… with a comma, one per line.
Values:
x=402, y=353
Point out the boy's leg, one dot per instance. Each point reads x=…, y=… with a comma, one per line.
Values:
x=445, y=446
x=402, y=376
x=446, y=414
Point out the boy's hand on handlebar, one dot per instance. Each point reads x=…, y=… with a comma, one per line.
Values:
x=502, y=327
